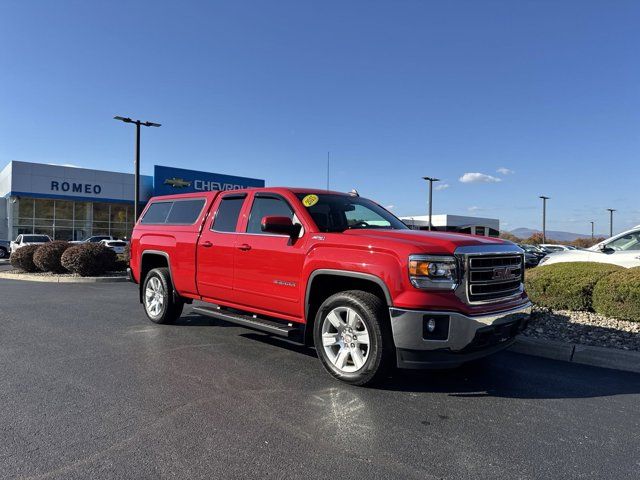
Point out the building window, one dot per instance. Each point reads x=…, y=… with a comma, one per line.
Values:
x=69, y=220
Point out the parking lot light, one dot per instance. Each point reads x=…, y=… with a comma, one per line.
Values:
x=136, y=193
x=544, y=218
x=430, y=180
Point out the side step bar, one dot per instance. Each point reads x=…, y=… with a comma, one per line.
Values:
x=247, y=320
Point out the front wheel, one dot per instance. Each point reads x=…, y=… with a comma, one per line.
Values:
x=353, y=338
x=157, y=296
x=3, y=253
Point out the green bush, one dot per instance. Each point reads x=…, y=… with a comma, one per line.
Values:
x=566, y=286
x=22, y=258
x=48, y=255
x=89, y=259
x=618, y=295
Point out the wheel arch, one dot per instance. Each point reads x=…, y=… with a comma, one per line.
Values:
x=323, y=283
x=149, y=260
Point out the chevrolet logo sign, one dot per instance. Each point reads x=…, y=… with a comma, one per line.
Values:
x=177, y=182
x=503, y=273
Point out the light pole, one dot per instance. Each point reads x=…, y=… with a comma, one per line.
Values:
x=544, y=218
x=611, y=210
x=430, y=180
x=136, y=192
x=592, y=224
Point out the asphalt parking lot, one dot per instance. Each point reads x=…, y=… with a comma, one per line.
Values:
x=90, y=388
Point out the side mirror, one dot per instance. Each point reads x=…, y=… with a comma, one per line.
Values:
x=604, y=249
x=280, y=226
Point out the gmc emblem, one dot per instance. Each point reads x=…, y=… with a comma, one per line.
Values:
x=503, y=273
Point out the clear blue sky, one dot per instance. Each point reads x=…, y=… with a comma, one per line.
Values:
x=395, y=90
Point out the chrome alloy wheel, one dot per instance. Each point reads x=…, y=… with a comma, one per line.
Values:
x=154, y=297
x=345, y=339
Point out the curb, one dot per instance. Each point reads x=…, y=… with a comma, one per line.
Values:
x=628, y=361
x=38, y=278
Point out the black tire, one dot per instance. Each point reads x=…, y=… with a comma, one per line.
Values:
x=4, y=253
x=171, y=307
x=374, y=317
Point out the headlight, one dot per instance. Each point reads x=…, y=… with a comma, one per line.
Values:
x=543, y=259
x=433, y=272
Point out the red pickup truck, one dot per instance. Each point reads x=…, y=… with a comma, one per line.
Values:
x=332, y=270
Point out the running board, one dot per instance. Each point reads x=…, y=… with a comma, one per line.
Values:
x=247, y=320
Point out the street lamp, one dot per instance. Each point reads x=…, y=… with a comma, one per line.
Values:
x=136, y=193
x=544, y=218
x=592, y=224
x=611, y=210
x=430, y=180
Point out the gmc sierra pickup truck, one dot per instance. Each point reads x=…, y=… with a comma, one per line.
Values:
x=332, y=270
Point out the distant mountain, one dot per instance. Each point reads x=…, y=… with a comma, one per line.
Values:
x=551, y=234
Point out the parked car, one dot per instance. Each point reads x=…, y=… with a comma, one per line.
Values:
x=552, y=247
x=332, y=270
x=28, y=239
x=117, y=246
x=95, y=239
x=532, y=255
x=622, y=249
x=5, y=249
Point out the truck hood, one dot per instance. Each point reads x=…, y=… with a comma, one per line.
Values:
x=432, y=242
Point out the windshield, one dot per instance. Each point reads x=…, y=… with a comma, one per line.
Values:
x=336, y=213
x=630, y=241
x=35, y=238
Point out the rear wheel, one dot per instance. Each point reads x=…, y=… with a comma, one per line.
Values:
x=352, y=337
x=160, y=304
x=3, y=253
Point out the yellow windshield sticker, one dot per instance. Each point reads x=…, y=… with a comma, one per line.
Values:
x=310, y=200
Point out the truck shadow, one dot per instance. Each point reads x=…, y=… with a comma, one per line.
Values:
x=512, y=375
x=505, y=374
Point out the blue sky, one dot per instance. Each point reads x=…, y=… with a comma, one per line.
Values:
x=549, y=90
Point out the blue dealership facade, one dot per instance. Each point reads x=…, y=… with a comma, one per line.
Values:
x=71, y=203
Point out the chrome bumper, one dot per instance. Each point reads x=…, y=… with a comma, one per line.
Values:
x=408, y=327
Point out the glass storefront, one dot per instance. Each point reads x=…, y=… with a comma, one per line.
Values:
x=69, y=220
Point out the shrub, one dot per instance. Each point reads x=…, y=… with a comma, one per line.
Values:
x=47, y=257
x=22, y=258
x=566, y=286
x=618, y=295
x=89, y=259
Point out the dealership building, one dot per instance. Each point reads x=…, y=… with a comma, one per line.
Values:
x=70, y=203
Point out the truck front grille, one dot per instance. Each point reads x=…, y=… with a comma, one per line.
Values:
x=493, y=277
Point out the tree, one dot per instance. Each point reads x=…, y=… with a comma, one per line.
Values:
x=510, y=236
x=535, y=239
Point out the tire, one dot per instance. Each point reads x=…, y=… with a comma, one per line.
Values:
x=3, y=253
x=345, y=322
x=158, y=299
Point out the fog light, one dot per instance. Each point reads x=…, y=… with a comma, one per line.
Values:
x=431, y=325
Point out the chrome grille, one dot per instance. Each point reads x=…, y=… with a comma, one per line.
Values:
x=494, y=277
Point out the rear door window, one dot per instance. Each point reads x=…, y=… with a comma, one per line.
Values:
x=228, y=212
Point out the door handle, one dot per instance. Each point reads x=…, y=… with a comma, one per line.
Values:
x=244, y=247
x=207, y=244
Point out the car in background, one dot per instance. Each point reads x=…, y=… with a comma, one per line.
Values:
x=622, y=249
x=118, y=246
x=5, y=249
x=552, y=247
x=532, y=255
x=28, y=239
x=95, y=239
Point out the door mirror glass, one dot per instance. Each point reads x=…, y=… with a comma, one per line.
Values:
x=279, y=225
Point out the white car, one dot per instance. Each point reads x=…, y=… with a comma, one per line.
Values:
x=95, y=239
x=623, y=250
x=28, y=239
x=552, y=247
x=117, y=246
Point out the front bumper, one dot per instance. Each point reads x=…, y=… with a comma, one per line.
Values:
x=464, y=338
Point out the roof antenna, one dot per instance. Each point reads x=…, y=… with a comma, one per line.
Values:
x=328, y=170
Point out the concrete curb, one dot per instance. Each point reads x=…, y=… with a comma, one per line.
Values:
x=39, y=278
x=614, y=358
